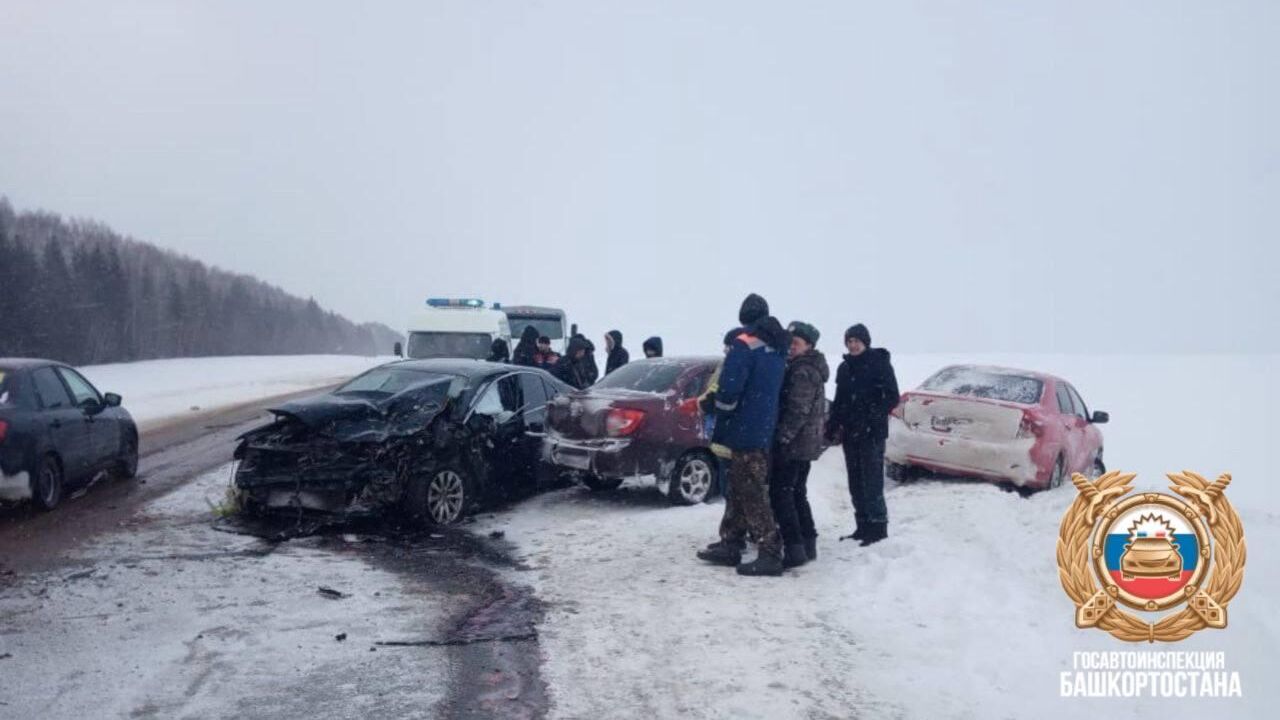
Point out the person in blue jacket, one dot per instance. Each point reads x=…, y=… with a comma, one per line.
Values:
x=746, y=408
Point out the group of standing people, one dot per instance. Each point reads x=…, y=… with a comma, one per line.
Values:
x=577, y=367
x=771, y=423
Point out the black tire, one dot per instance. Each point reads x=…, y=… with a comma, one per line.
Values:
x=127, y=465
x=599, y=484
x=445, y=495
x=47, y=483
x=1058, y=475
x=1099, y=468
x=901, y=473
x=693, y=479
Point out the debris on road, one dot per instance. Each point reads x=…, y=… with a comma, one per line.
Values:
x=340, y=637
x=498, y=534
x=332, y=594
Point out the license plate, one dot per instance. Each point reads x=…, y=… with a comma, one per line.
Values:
x=577, y=461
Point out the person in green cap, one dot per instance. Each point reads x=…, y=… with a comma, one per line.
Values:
x=798, y=441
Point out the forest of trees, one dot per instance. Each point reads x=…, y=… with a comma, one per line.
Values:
x=79, y=293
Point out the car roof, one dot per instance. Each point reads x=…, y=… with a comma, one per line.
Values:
x=685, y=360
x=25, y=363
x=473, y=369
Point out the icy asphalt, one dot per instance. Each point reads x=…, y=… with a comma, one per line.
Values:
x=128, y=602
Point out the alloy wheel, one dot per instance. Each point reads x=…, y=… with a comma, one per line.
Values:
x=694, y=483
x=446, y=495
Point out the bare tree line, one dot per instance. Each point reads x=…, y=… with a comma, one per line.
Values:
x=78, y=292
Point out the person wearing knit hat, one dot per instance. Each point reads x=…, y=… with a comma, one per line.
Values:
x=866, y=392
x=802, y=411
x=746, y=410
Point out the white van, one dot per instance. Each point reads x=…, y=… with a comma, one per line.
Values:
x=455, y=328
x=549, y=322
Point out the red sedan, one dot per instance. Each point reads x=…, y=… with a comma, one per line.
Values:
x=1012, y=426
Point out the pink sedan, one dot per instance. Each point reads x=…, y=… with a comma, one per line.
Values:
x=998, y=424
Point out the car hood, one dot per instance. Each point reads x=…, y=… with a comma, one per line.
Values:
x=359, y=417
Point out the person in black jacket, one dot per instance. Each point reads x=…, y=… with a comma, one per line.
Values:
x=591, y=369
x=866, y=391
x=498, y=351
x=802, y=411
x=572, y=367
x=618, y=355
x=652, y=347
x=527, y=349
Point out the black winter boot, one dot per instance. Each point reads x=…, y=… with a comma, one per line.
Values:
x=859, y=532
x=722, y=553
x=764, y=564
x=811, y=548
x=794, y=555
x=875, y=533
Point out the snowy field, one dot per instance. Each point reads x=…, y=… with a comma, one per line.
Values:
x=959, y=614
x=160, y=391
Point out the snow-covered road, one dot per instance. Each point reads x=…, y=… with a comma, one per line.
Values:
x=160, y=391
x=959, y=614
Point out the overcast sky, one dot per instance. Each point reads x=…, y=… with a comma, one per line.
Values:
x=1068, y=176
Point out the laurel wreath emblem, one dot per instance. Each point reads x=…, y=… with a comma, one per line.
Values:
x=1207, y=607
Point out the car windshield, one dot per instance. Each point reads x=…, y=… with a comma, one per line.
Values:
x=423, y=345
x=992, y=385
x=546, y=325
x=644, y=376
x=391, y=380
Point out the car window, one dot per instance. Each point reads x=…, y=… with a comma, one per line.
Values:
x=7, y=395
x=1078, y=403
x=81, y=390
x=696, y=383
x=500, y=398
x=49, y=389
x=534, y=391
x=1064, y=400
x=983, y=383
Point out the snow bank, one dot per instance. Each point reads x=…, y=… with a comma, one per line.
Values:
x=158, y=391
x=959, y=614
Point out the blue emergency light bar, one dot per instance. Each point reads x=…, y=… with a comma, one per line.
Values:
x=455, y=302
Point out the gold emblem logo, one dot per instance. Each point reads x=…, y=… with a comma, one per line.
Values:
x=1151, y=552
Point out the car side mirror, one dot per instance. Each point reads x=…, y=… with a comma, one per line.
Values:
x=399, y=350
x=112, y=400
x=92, y=407
x=1099, y=417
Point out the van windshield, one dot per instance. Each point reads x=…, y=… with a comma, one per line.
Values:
x=547, y=326
x=423, y=345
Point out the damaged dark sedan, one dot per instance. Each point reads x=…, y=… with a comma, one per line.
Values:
x=432, y=440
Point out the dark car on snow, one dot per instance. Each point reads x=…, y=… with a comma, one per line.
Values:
x=432, y=439
x=58, y=432
x=641, y=420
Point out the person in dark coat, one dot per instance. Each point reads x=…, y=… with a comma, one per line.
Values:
x=802, y=416
x=527, y=349
x=866, y=391
x=498, y=351
x=592, y=370
x=545, y=358
x=746, y=408
x=652, y=347
x=572, y=368
x=618, y=355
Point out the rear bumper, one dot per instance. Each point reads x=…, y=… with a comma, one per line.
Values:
x=15, y=487
x=1010, y=461
x=611, y=458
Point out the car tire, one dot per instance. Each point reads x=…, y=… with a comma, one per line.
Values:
x=445, y=495
x=127, y=464
x=693, y=479
x=1099, y=468
x=47, y=483
x=1058, y=475
x=898, y=472
x=598, y=484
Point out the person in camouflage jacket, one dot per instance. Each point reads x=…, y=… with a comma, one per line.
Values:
x=798, y=441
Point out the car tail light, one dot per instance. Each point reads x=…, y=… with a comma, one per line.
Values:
x=4, y=430
x=1030, y=427
x=623, y=421
x=689, y=406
